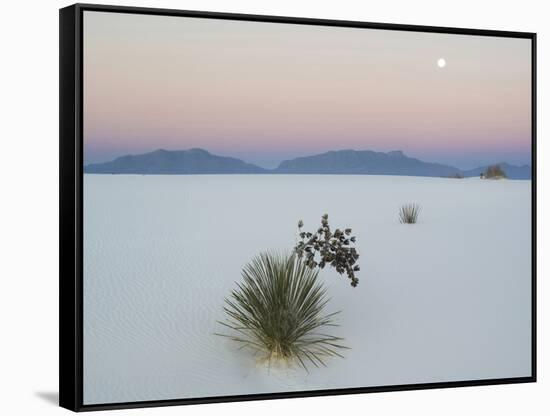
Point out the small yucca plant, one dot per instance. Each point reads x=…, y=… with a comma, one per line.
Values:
x=408, y=214
x=495, y=172
x=277, y=310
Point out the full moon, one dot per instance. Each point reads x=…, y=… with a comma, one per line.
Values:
x=441, y=62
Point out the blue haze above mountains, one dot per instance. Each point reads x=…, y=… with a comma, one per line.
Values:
x=341, y=162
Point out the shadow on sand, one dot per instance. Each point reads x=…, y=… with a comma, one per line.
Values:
x=51, y=397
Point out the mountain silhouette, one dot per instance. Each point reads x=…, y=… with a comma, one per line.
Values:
x=365, y=162
x=340, y=162
x=192, y=161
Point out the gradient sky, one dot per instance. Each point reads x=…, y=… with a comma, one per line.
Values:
x=265, y=92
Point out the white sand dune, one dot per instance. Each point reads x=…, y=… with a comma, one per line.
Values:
x=446, y=299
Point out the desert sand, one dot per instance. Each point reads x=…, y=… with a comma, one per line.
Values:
x=445, y=299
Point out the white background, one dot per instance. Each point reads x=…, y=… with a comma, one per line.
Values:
x=29, y=206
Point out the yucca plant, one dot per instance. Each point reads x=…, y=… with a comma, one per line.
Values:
x=408, y=214
x=495, y=172
x=278, y=311
x=324, y=247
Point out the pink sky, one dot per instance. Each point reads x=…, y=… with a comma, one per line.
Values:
x=266, y=92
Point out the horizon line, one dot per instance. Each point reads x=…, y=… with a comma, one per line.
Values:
x=299, y=157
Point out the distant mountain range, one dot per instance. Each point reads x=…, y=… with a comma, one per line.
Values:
x=176, y=162
x=341, y=162
x=364, y=162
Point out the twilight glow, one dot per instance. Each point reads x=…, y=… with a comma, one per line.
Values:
x=265, y=92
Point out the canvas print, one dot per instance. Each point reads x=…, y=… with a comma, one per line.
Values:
x=277, y=207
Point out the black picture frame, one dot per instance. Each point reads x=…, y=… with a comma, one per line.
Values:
x=71, y=203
